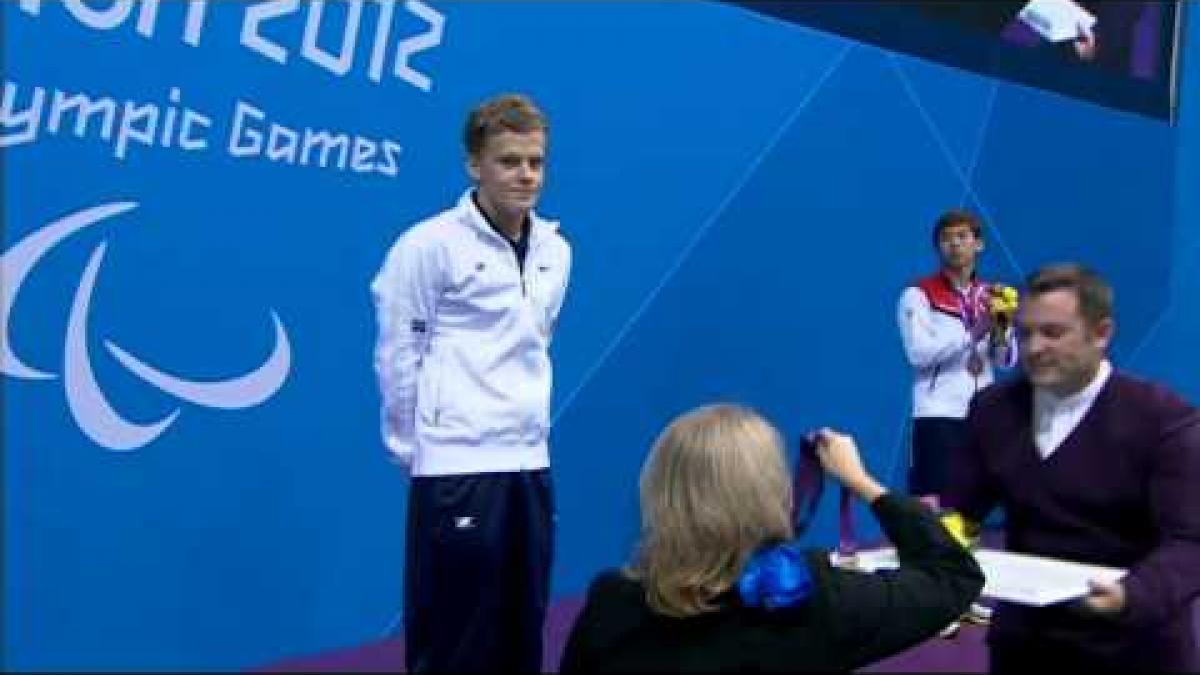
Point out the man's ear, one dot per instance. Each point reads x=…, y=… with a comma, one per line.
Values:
x=473, y=167
x=1103, y=332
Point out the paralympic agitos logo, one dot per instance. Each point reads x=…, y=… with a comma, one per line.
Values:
x=89, y=405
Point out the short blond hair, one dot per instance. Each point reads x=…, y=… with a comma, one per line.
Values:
x=1093, y=293
x=714, y=488
x=506, y=112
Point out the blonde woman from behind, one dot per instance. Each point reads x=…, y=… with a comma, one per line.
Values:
x=718, y=582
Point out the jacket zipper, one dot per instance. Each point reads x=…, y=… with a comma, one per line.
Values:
x=521, y=268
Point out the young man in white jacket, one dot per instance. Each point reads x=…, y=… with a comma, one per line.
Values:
x=466, y=303
x=952, y=343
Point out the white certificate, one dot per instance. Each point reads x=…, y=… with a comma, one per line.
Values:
x=1017, y=577
x=1056, y=20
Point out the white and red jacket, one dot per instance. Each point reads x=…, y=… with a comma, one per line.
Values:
x=935, y=319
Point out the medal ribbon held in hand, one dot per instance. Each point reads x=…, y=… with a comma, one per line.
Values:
x=808, y=486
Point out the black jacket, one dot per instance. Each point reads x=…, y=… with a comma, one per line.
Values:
x=851, y=618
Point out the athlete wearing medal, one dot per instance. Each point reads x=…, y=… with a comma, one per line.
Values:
x=955, y=329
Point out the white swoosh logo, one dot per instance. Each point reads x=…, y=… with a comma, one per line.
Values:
x=91, y=409
x=88, y=405
x=241, y=392
x=16, y=263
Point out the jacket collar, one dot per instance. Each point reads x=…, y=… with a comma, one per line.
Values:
x=539, y=228
x=946, y=277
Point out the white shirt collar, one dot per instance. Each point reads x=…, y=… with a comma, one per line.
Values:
x=1055, y=417
x=1082, y=397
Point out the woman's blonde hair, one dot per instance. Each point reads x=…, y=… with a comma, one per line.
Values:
x=715, y=487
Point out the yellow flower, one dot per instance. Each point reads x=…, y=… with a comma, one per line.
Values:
x=964, y=531
x=1004, y=299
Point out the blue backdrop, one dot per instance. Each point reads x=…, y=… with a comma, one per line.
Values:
x=745, y=199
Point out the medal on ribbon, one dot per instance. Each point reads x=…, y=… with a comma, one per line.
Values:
x=973, y=313
x=808, y=486
x=975, y=363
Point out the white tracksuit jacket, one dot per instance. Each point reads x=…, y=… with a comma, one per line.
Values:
x=462, y=353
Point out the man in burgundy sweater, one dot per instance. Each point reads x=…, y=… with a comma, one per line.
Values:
x=1091, y=465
